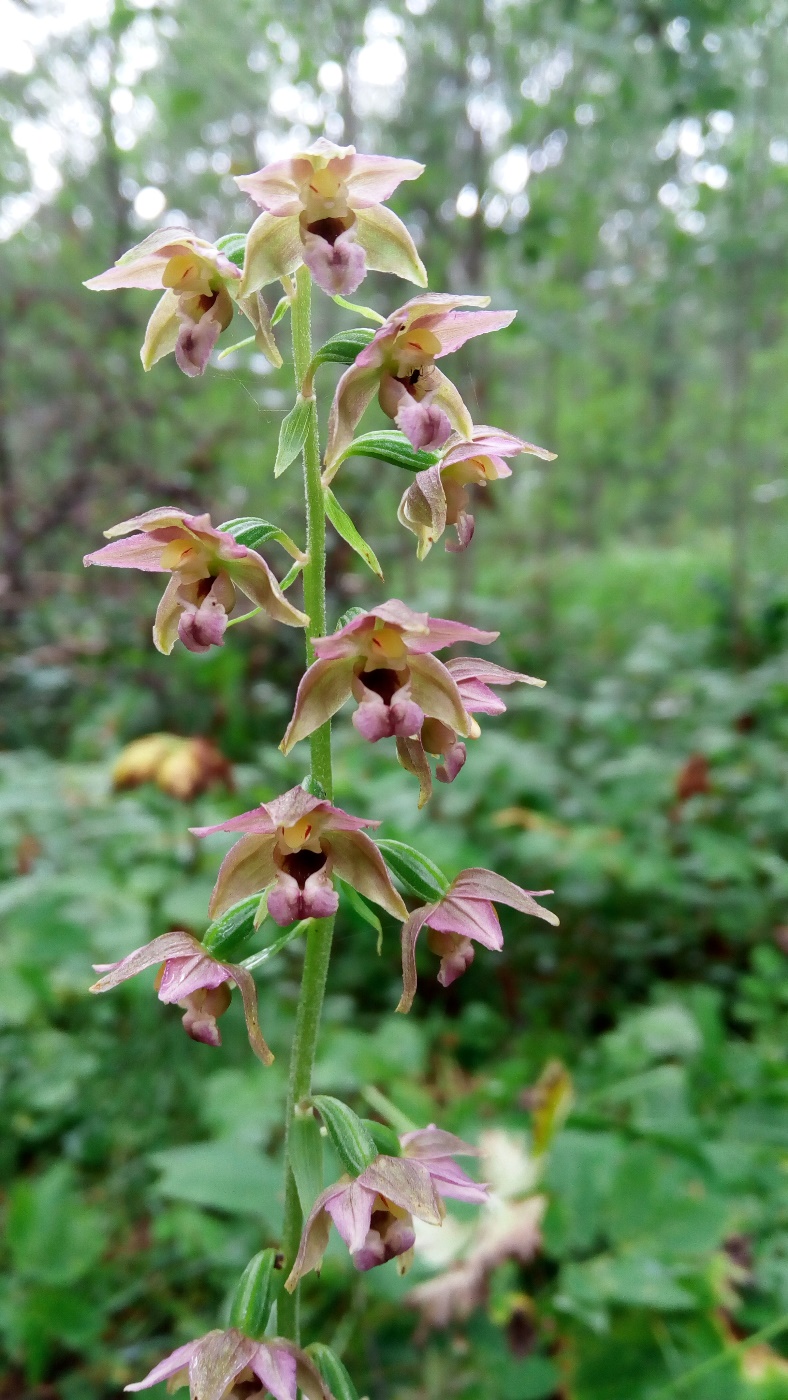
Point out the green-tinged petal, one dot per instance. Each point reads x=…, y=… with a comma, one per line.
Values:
x=273, y=249
x=161, y=332
x=355, y=391
x=323, y=690
x=256, y=311
x=388, y=245
x=246, y=869
x=448, y=397
x=358, y=861
x=413, y=759
x=433, y=688
x=314, y=1240
x=255, y=579
x=408, y=1184
x=246, y=986
x=422, y=509
x=165, y=627
x=410, y=932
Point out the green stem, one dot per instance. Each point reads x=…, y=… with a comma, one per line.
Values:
x=730, y=1353
x=318, y=944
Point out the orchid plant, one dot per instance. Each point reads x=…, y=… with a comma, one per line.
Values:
x=324, y=220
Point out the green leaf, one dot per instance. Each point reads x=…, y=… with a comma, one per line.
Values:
x=253, y=531
x=292, y=434
x=256, y=1293
x=360, y=906
x=227, y=935
x=390, y=445
x=280, y=310
x=342, y=348
x=257, y=959
x=221, y=1176
x=384, y=1138
x=332, y=1371
x=348, y=617
x=367, y=311
x=344, y=526
x=353, y=1141
x=420, y=875
x=233, y=245
x=305, y=1150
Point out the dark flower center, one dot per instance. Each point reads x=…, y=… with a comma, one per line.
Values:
x=302, y=864
x=328, y=229
x=384, y=681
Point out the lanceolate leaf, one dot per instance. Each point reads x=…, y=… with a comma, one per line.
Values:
x=390, y=445
x=344, y=526
x=233, y=245
x=332, y=1371
x=352, y=1140
x=257, y=959
x=420, y=875
x=305, y=1150
x=292, y=434
x=342, y=348
x=254, y=532
x=384, y=1138
x=359, y=904
x=226, y=936
x=257, y=1289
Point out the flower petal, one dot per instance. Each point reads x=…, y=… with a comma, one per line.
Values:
x=407, y=1184
x=351, y=1212
x=447, y=396
x=138, y=552
x=358, y=861
x=273, y=249
x=168, y=615
x=184, y=975
x=255, y=579
x=322, y=691
x=276, y=1369
x=314, y=1238
x=167, y=945
x=256, y=311
x=456, y=327
x=411, y=756
x=217, y=1362
x=355, y=391
x=422, y=509
x=478, y=668
x=388, y=244
x=410, y=932
x=339, y=267
x=434, y=1143
x=470, y=918
x=371, y=179
x=257, y=822
x=486, y=884
x=456, y=1185
x=274, y=188
x=178, y=1360
x=443, y=632
x=434, y=690
x=247, y=986
x=246, y=869
x=492, y=442
x=163, y=518
x=162, y=331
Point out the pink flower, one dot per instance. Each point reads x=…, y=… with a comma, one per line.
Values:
x=324, y=207
x=439, y=496
x=473, y=677
x=201, y=286
x=464, y=915
x=374, y=1212
x=292, y=847
x=224, y=1365
x=399, y=366
x=383, y=659
x=190, y=978
x=206, y=566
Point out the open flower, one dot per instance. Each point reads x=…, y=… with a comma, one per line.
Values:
x=226, y=1365
x=374, y=1212
x=324, y=207
x=473, y=676
x=439, y=496
x=399, y=366
x=466, y=914
x=206, y=566
x=383, y=659
x=200, y=285
x=291, y=848
x=190, y=978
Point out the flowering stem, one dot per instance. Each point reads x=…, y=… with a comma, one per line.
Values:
x=318, y=943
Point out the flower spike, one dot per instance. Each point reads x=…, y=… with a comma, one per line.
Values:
x=206, y=567
x=399, y=366
x=464, y=915
x=201, y=285
x=197, y=982
x=439, y=496
x=324, y=207
x=292, y=847
x=374, y=1211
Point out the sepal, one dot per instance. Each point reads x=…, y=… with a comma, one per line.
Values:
x=420, y=875
x=347, y=531
x=353, y=1141
x=332, y=1371
x=256, y=1292
x=292, y=433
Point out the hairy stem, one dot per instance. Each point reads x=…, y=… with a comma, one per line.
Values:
x=318, y=945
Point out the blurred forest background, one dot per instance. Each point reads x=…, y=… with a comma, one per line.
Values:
x=618, y=171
